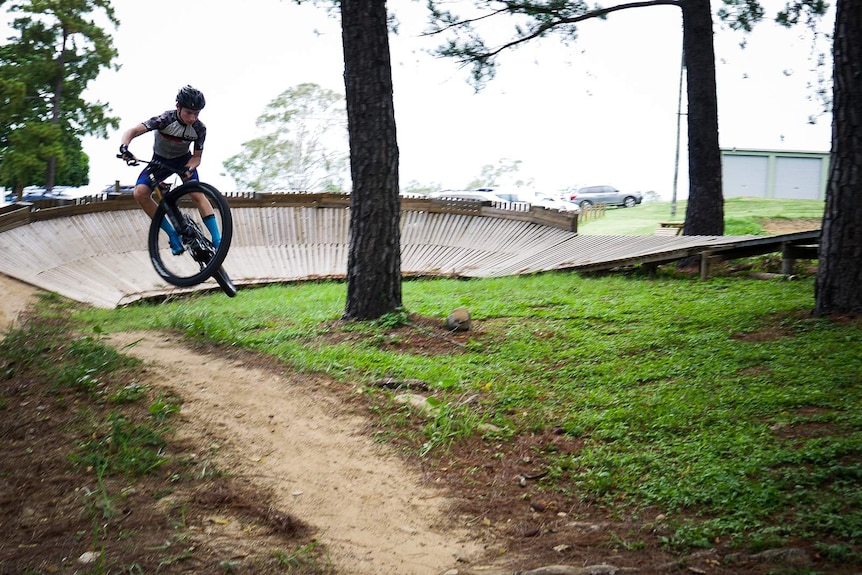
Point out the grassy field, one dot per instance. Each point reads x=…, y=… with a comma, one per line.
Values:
x=722, y=404
x=742, y=216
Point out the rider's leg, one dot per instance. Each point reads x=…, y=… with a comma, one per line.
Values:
x=144, y=197
x=212, y=225
x=208, y=217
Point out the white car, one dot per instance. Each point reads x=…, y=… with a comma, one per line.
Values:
x=540, y=199
x=555, y=204
x=480, y=195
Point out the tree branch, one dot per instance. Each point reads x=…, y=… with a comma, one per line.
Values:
x=600, y=13
x=466, y=22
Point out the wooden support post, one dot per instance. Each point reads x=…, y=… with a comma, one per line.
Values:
x=787, y=260
x=651, y=269
x=704, y=265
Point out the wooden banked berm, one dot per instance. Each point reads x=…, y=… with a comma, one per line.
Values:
x=93, y=250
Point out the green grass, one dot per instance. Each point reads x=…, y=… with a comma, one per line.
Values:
x=83, y=365
x=722, y=404
x=742, y=216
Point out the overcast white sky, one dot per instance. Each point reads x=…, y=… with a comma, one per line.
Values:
x=601, y=110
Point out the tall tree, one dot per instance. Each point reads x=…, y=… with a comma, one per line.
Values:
x=303, y=145
x=838, y=289
x=493, y=176
x=704, y=213
x=44, y=72
x=538, y=18
x=374, y=256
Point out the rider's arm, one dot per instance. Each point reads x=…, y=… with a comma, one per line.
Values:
x=195, y=160
x=133, y=133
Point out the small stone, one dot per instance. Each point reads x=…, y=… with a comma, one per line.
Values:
x=458, y=320
x=489, y=428
x=417, y=402
x=88, y=557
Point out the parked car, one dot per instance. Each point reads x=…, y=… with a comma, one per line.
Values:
x=36, y=193
x=591, y=195
x=555, y=204
x=541, y=200
x=125, y=189
x=482, y=195
x=36, y=196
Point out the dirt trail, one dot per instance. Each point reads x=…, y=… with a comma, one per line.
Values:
x=15, y=296
x=291, y=434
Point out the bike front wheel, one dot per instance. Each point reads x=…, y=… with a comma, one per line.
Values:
x=224, y=282
x=192, y=257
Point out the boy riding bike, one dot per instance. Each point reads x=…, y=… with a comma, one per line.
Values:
x=175, y=131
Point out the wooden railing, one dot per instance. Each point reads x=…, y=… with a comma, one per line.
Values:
x=23, y=213
x=593, y=212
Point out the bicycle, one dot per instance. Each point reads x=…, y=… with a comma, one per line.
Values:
x=199, y=259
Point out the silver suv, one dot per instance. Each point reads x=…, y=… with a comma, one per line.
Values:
x=591, y=195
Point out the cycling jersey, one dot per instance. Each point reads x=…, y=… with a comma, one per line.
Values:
x=173, y=137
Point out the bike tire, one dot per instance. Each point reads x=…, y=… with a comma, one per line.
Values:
x=224, y=282
x=200, y=260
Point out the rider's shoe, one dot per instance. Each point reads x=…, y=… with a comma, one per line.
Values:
x=173, y=238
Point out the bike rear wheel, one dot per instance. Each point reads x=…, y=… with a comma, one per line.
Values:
x=200, y=259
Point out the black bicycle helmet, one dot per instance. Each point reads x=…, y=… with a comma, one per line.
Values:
x=191, y=98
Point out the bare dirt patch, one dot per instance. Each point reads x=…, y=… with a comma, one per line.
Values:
x=292, y=434
x=777, y=226
x=15, y=296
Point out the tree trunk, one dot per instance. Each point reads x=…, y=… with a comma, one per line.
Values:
x=51, y=175
x=374, y=257
x=839, y=275
x=704, y=215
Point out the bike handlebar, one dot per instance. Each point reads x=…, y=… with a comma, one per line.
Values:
x=155, y=164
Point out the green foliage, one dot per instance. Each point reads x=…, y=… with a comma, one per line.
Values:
x=120, y=446
x=393, y=320
x=298, y=558
x=43, y=349
x=467, y=37
x=663, y=383
x=128, y=394
x=162, y=408
x=742, y=227
x=303, y=146
x=83, y=360
x=504, y=173
x=415, y=187
x=44, y=72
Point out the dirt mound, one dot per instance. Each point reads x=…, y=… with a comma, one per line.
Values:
x=291, y=434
